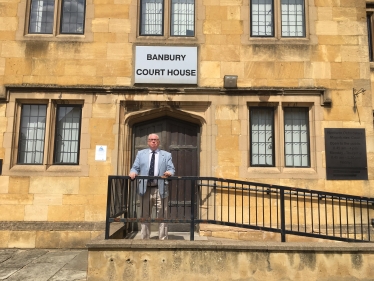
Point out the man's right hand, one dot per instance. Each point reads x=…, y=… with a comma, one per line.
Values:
x=132, y=175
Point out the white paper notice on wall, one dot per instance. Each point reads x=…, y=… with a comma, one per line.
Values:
x=100, y=154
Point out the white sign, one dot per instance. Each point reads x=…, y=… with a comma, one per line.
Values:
x=100, y=154
x=166, y=65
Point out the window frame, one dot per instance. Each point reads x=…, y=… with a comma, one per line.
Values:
x=370, y=30
x=57, y=19
x=22, y=33
x=55, y=149
x=277, y=23
x=18, y=152
x=251, y=112
x=50, y=130
x=279, y=139
x=284, y=109
x=166, y=22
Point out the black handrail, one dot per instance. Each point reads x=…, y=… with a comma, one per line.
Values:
x=249, y=205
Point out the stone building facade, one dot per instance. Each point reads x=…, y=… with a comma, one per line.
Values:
x=77, y=76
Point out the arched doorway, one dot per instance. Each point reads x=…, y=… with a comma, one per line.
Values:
x=182, y=140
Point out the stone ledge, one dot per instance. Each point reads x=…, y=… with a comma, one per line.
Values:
x=122, y=244
x=51, y=226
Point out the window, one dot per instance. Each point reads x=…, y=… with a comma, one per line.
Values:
x=292, y=18
x=296, y=137
x=67, y=135
x=32, y=133
x=295, y=134
x=370, y=27
x=262, y=140
x=71, y=16
x=154, y=17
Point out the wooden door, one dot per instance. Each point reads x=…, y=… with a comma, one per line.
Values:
x=181, y=139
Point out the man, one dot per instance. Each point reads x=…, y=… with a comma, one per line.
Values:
x=153, y=162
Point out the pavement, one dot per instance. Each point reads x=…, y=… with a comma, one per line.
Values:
x=56, y=264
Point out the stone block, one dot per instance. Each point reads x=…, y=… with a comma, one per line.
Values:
x=226, y=172
x=111, y=67
x=226, y=112
x=48, y=67
x=119, y=51
x=227, y=143
x=16, y=199
x=216, y=13
x=224, y=127
x=36, y=213
x=47, y=199
x=70, y=199
x=354, y=54
x=344, y=14
x=74, y=239
x=93, y=186
x=210, y=69
x=233, y=13
x=48, y=239
x=66, y=213
x=95, y=213
x=326, y=53
x=7, y=35
x=345, y=70
x=103, y=37
x=324, y=13
x=100, y=25
x=4, y=184
x=99, y=171
x=107, y=110
x=79, y=68
x=327, y=28
x=232, y=68
x=232, y=27
x=259, y=70
x=289, y=70
x=54, y=185
x=22, y=239
x=8, y=23
x=18, y=66
x=13, y=50
x=121, y=26
x=4, y=239
x=212, y=27
x=229, y=158
x=111, y=11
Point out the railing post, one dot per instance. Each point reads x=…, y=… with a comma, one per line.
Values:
x=283, y=216
x=192, y=226
x=108, y=204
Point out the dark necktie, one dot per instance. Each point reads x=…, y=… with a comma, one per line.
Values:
x=151, y=172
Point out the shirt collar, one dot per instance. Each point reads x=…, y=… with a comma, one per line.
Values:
x=157, y=150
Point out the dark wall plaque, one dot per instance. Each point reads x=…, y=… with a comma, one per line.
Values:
x=346, y=154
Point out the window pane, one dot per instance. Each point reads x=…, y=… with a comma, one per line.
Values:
x=41, y=16
x=262, y=140
x=152, y=13
x=72, y=16
x=31, y=134
x=68, y=122
x=296, y=137
x=293, y=18
x=262, y=18
x=370, y=34
x=182, y=17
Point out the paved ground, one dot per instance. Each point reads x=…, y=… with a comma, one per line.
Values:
x=41, y=264
x=55, y=264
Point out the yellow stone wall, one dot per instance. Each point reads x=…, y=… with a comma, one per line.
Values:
x=333, y=56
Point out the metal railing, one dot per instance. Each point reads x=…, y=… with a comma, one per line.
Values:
x=279, y=209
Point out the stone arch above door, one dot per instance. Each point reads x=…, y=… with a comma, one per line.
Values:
x=134, y=112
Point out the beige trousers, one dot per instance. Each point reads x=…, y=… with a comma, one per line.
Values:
x=151, y=199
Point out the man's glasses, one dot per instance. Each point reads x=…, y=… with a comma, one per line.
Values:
x=153, y=139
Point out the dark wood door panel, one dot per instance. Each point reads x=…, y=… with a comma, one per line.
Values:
x=181, y=139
